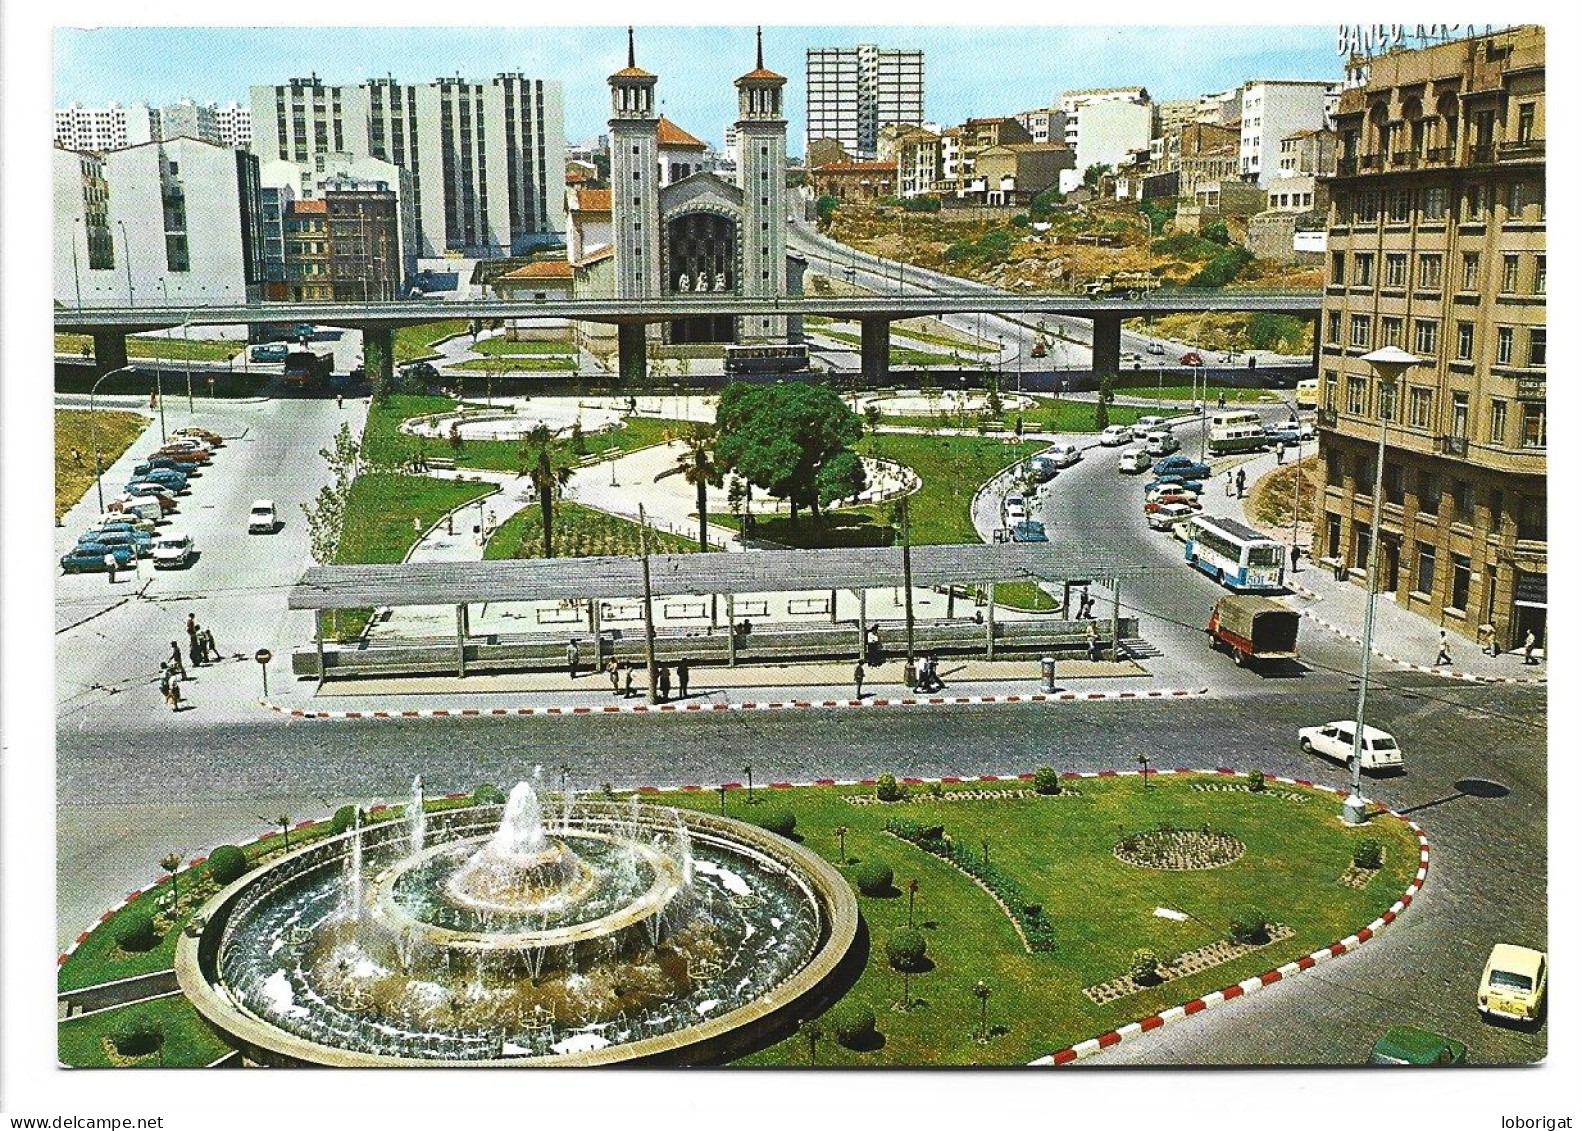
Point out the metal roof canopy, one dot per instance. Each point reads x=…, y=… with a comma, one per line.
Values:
x=773, y=571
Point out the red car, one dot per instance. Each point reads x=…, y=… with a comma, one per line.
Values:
x=1164, y=498
x=1191, y=357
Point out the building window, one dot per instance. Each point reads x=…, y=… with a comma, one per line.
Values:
x=1421, y=407
x=1400, y=206
x=1332, y=328
x=1517, y=197
x=1433, y=205
x=1537, y=346
x=1426, y=337
x=1463, y=341
x=1337, y=268
x=1497, y=422
x=1425, y=568
x=1461, y=492
x=1460, y=581
x=1367, y=207
x=1356, y=395
x=1510, y=273
x=1504, y=339
x=1361, y=331
x=1532, y=522
x=1524, y=121
x=1394, y=483
x=1362, y=540
x=1363, y=275
x=1540, y=273
x=1477, y=203
x=1428, y=492
x=1333, y=473
x=1496, y=509
x=1469, y=270
x=1331, y=389
x=1534, y=425
x=1395, y=270
x=1458, y=415
x=1390, y=330
x=1430, y=272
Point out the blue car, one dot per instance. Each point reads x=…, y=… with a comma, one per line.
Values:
x=118, y=536
x=1029, y=531
x=1184, y=466
x=163, y=477
x=88, y=557
x=166, y=463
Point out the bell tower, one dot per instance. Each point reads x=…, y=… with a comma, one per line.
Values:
x=634, y=178
x=761, y=162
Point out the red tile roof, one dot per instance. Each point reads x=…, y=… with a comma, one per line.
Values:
x=309, y=206
x=592, y=200
x=857, y=167
x=673, y=136
x=547, y=269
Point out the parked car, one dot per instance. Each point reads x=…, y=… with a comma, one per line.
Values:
x=1167, y=499
x=1161, y=442
x=1172, y=485
x=131, y=520
x=1029, y=531
x=138, y=542
x=1146, y=424
x=1134, y=460
x=162, y=477
x=261, y=517
x=213, y=439
x=1156, y=348
x=269, y=351
x=1115, y=435
x=1184, y=466
x=1064, y=455
x=143, y=489
x=1166, y=515
x=1191, y=357
x=1285, y=431
x=1407, y=1044
x=173, y=551
x=1042, y=468
x=1334, y=741
x=165, y=463
x=420, y=371
x=1014, y=509
x=139, y=506
x=1515, y=980
x=88, y=557
x=186, y=448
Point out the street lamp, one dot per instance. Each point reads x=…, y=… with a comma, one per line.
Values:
x=93, y=433
x=1388, y=364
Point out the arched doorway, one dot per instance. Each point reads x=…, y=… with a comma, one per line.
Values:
x=701, y=259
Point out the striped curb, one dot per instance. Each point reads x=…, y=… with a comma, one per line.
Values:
x=1442, y=673
x=1084, y=1049
x=699, y=707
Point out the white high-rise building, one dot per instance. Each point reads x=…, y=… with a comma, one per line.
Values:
x=854, y=91
x=102, y=128
x=188, y=118
x=488, y=159
x=235, y=125
x=1272, y=110
x=1104, y=126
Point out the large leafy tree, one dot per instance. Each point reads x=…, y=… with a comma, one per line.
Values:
x=538, y=459
x=698, y=463
x=780, y=437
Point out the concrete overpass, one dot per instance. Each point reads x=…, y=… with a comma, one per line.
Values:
x=377, y=321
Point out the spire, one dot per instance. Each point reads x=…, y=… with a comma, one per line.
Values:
x=760, y=47
x=631, y=48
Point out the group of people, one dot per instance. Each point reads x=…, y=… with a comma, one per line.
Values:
x=623, y=673
x=927, y=674
x=201, y=650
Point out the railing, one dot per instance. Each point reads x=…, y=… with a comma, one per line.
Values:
x=1453, y=445
x=1483, y=154
x=1404, y=157
x=1531, y=147
x=1371, y=161
x=1440, y=154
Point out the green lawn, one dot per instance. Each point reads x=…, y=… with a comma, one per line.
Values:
x=1059, y=850
x=502, y=347
x=1053, y=414
x=189, y=1040
x=513, y=363
x=174, y=349
x=900, y=355
x=116, y=431
x=379, y=514
x=580, y=532
x=416, y=343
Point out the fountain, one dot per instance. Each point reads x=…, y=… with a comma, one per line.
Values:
x=488, y=935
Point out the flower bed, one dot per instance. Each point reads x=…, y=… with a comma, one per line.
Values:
x=1180, y=850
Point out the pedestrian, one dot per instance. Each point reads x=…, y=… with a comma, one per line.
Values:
x=195, y=648
x=663, y=681
x=1085, y=610
x=1230, y=485
x=169, y=688
x=177, y=668
x=934, y=682
x=1486, y=638
x=76, y=456
x=192, y=628
x=1279, y=452
x=110, y=564
x=1241, y=482
x=340, y=401
x=875, y=648
x=572, y=658
x=613, y=670
x=683, y=674
x=858, y=674
x=1093, y=642
x=1340, y=569
x=417, y=527
x=1528, y=645
x=1222, y=398
x=210, y=649
x=628, y=669
x=1296, y=558
x=1444, y=649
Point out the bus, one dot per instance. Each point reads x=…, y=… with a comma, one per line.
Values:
x=1234, y=554
x=1235, y=430
x=765, y=359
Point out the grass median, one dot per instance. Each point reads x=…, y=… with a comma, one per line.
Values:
x=580, y=532
x=74, y=443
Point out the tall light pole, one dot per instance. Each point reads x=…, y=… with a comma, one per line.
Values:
x=186, y=356
x=1388, y=364
x=93, y=433
x=126, y=254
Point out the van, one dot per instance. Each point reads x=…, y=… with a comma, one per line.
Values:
x=1334, y=741
x=1162, y=442
x=1307, y=393
x=141, y=506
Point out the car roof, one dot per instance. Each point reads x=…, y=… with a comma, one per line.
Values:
x=1410, y=1043
x=258, y=503
x=1367, y=731
x=1516, y=959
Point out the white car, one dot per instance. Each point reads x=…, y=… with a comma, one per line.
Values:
x=139, y=506
x=1064, y=455
x=1015, y=509
x=1156, y=348
x=1161, y=442
x=173, y=551
x=1334, y=741
x=1169, y=515
x=1134, y=460
x=1146, y=424
x=1115, y=435
x=261, y=517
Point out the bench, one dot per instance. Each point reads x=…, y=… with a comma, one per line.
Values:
x=440, y=463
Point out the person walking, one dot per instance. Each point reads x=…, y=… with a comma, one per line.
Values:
x=192, y=629
x=627, y=667
x=1528, y=644
x=1296, y=558
x=858, y=674
x=164, y=682
x=210, y=649
x=1241, y=482
x=177, y=668
x=663, y=681
x=1279, y=452
x=573, y=657
x=1486, y=638
x=1444, y=649
x=195, y=647
x=1093, y=642
x=1230, y=485
x=683, y=674
x=613, y=670
x=110, y=564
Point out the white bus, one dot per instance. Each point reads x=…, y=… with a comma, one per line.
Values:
x=1234, y=554
x=1235, y=430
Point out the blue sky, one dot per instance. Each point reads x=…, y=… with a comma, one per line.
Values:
x=972, y=71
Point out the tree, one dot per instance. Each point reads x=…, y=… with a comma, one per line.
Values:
x=536, y=458
x=697, y=463
x=1093, y=174
x=1217, y=232
x=1101, y=413
x=327, y=514
x=826, y=209
x=779, y=437
x=843, y=476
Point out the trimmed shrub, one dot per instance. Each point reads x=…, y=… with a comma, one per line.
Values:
x=1368, y=853
x=1251, y=926
x=781, y=822
x=888, y=789
x=906, y=949
x=138, y=1039
x=1145, y=966
x=874, y=877
x=487, y=794
x=853, y=1025
x=227, y=863
x=1046, y=780
x=136, y=933
x=344, y=816
x=936, y=789
x=1255, y=781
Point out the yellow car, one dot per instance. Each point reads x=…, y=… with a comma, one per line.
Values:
x=1514, y=982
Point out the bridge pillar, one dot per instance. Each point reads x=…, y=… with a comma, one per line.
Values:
x=109, y=351
x=875, y=350
x=1106, y=345
x=379, y=359
x=632, y=345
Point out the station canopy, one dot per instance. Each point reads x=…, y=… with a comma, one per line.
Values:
x=771, y=571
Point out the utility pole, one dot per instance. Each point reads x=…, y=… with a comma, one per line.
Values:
x=906, y=579
x=648, y=607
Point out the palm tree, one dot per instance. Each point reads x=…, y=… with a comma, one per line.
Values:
x=537, y=456
x=698, y=464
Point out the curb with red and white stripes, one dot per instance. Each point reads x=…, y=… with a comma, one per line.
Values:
x=703, y=707
x=1131, y=1031
x=1443, y=673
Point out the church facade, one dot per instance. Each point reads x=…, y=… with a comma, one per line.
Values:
x=670, y=227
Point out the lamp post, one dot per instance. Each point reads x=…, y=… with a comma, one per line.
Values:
x=748, y=770
x=1388, y=364
x=93, y=433
x=186, y=354
x=1142, y=760
x=981, y=991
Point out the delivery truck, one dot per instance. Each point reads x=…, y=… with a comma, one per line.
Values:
x=1255, y=630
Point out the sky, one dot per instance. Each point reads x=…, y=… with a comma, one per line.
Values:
x=970, y=71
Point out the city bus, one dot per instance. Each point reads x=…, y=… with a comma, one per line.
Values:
x=765, y=359
x=1235, y=430
x=1234, y=554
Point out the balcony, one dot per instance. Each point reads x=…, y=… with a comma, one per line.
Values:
x=1346, y=167
x=1531, y=149
x=1371, y=161
x=1441, y=155
x=1453, y=446
x=1404, y=158
x=1483, y=154
x=1328, y=418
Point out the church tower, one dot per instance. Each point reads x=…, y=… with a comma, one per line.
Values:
x=761, y=163
x=634, y=178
